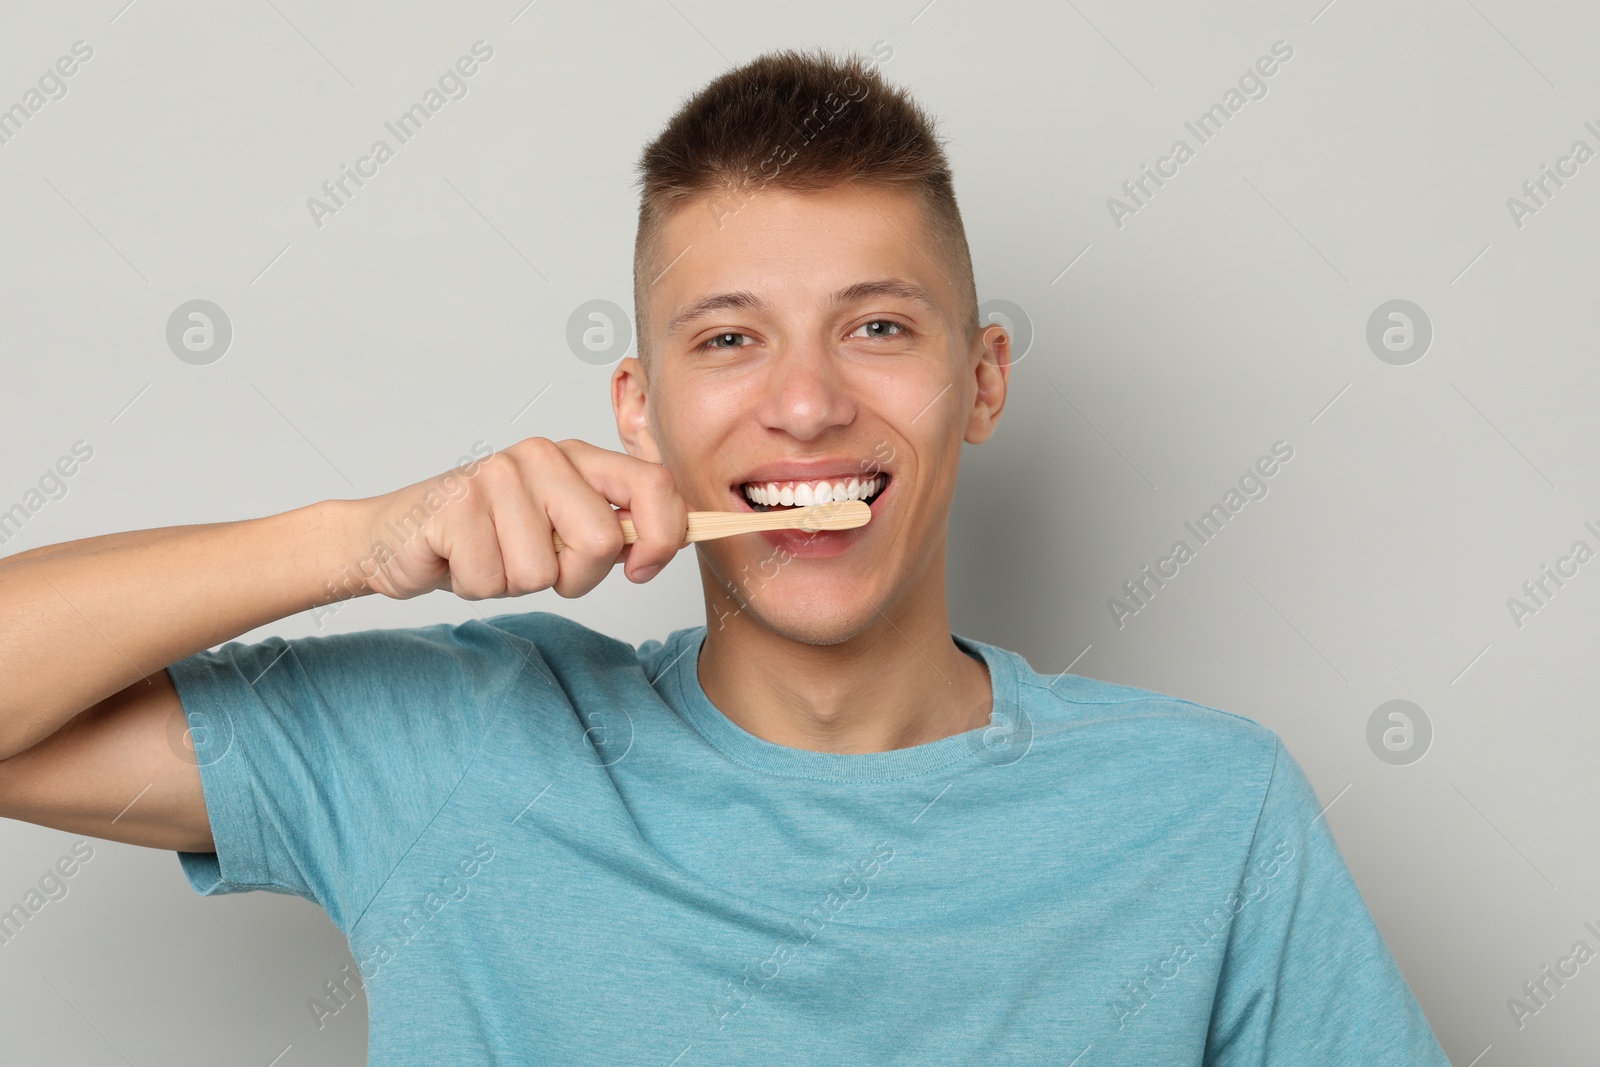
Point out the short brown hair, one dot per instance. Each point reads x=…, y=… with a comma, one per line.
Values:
x=795, y=121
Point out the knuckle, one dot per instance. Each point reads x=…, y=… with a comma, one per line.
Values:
x=497, y=468
x=568, y=449
x=537, y=449
x=459, y=589
x=594, y=542
x=570, y=588
x=604, y=540
x=658, y=479
x=532, y=576
x=476, y=587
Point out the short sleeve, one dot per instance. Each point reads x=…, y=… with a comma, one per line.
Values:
x=323, y=759
x=1306, y=977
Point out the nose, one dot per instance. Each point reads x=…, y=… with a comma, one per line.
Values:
x=806, y=394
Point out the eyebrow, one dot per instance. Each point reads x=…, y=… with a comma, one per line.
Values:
x=744, y=300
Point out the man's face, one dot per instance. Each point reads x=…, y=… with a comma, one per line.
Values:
x=809, y=338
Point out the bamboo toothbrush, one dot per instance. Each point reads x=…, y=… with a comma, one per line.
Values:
x=709, y=525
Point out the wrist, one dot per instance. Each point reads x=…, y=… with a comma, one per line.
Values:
x=345, y=566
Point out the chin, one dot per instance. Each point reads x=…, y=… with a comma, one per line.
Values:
x=813, y=601
x=812, y=627
x=807, y=620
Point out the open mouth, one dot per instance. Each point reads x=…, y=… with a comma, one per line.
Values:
x=779, y=496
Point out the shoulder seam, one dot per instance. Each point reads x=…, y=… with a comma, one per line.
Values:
x=1277, y=754
x=1147, y=695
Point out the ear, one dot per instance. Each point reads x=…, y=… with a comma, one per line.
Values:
x=630, y=402
x=990, y=360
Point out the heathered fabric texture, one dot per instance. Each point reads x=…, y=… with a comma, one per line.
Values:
x=546, y=846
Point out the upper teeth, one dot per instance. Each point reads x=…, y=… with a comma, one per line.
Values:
x=807, y=493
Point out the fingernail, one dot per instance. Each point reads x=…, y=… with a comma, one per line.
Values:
x=648, y=573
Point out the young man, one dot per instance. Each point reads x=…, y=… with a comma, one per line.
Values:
x=820, y=828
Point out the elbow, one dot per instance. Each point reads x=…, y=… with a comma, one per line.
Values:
x=7, y=750
x=14, y=736
x=9, y=744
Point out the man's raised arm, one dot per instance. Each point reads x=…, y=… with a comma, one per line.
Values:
x=89, y=718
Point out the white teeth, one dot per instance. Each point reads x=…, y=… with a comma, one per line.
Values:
x=804, y=494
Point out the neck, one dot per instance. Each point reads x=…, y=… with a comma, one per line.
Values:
x=900, y=681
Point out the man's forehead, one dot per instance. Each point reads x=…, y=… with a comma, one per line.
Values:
x=837, y=244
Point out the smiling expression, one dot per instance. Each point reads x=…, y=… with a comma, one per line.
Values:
x=812, y=337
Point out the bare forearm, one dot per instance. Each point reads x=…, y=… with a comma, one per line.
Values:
x=82, y=620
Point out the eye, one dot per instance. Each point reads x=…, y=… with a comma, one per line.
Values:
x=731, y=336
x=882, y=328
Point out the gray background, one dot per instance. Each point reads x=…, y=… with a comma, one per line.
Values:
x=1167, y=354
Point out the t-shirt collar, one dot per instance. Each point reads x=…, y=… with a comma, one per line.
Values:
x=733, y=741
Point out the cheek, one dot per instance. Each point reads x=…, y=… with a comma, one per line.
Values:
x=694, y=427
x=901, y=394
x=924, y=405
x=714, y=405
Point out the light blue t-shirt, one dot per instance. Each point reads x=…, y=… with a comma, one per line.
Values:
x=546, y=846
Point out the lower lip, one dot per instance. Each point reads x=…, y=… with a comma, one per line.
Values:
x=818, y=544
